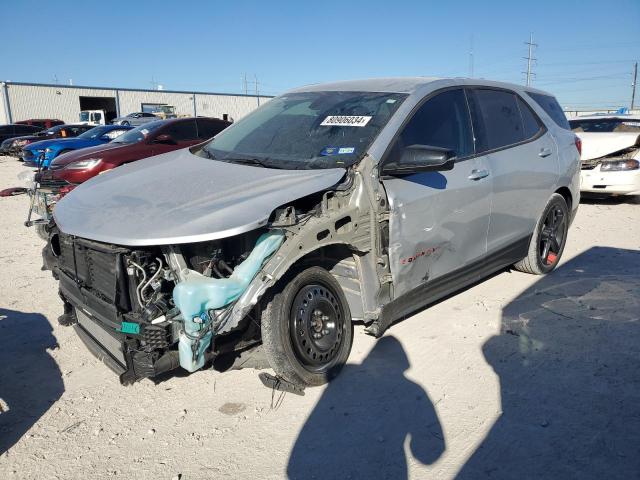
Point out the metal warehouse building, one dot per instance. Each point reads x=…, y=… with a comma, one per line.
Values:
x=22, y=101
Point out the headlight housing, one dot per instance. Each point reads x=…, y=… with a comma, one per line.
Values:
x=619, y=165
x=87, y=164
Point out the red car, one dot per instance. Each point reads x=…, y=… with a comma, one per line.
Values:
x=153, y=138
x=42, y=122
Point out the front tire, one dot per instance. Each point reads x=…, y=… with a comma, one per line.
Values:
x=307, y=330
x=549, y=238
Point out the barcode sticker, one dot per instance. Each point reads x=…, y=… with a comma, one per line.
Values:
x=345, y=121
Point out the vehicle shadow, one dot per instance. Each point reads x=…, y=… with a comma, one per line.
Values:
x=365, y=421
x=30, y=380
x=609, y=200
x=568, y=359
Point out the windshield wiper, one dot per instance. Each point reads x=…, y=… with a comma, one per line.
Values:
x=247, y=161
x=203, y=152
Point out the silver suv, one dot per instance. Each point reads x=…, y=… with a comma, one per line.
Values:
x=352, y=201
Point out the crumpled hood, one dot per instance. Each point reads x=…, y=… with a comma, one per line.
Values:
x=179, y=197
x=599, y=144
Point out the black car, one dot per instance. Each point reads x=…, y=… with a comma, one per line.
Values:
x=15, y=130
x=13, y=146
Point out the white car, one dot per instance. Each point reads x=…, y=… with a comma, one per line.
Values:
x=610, y=154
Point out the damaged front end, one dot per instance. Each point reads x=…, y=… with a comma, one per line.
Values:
x=145, y=311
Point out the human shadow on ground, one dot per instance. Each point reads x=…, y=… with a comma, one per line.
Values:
x=30, y=380
x=365, y=421
x=568, y=360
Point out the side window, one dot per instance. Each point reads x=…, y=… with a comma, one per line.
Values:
x=209, y=128
x=551, y=106
x=531, y=124
x=496, y=119
x=443, y=121
x=181, y=131
x=25, y=129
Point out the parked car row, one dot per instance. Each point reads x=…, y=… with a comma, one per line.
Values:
x=14, y=146
x=65, y=163
x=361, y=200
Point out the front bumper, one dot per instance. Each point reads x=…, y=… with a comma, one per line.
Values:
x=35, y=159
x=610, y=183
x=94, y=285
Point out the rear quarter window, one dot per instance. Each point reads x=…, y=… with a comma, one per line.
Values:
x=209, y=128
x=551, y=106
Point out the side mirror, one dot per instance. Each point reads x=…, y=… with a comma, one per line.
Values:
x=421, y=158
x=165, y=138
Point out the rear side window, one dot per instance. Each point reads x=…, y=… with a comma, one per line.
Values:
x=551, y=106
x=209, y=128
x=183, y=130
x=26, y=129
x=531, y=124
x=497, y=119
x=443, y=121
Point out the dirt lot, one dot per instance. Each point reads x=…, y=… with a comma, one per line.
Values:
x=519, y=377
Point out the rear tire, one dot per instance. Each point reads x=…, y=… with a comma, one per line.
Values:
x=548, y=239
x=307, y=330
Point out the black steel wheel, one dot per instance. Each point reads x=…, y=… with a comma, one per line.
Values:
x=548, y=239
x=306, y=328
x=316, y=327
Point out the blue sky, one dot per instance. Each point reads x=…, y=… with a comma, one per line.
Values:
x=585, y=54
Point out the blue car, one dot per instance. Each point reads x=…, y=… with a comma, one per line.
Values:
x=46, y=150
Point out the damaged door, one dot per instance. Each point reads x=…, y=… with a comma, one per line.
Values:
x=438, y=219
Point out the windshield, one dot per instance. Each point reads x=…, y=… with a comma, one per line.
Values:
x=606, y=125
x=95, y=132
x=51, y=131
x=307, y=130
x=84, y=116
x=140, y=133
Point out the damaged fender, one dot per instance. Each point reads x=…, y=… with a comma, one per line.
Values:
x=198, y=297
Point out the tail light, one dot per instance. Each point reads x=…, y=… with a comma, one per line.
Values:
x=66, y=189
x=578, y=143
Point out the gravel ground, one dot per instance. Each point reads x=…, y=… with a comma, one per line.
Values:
x=516, y=377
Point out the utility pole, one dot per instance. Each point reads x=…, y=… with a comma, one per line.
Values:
x=257, y=94
x=471, y=58
x=633, y=85
x=244, y=84
x=529, y=58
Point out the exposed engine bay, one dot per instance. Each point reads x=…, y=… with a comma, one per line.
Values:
x=620, y=155
x=122, y=301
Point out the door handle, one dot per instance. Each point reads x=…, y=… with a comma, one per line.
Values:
x=478, y=174
x=544, y=152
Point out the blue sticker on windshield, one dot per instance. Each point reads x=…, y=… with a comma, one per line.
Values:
x=327, y=151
